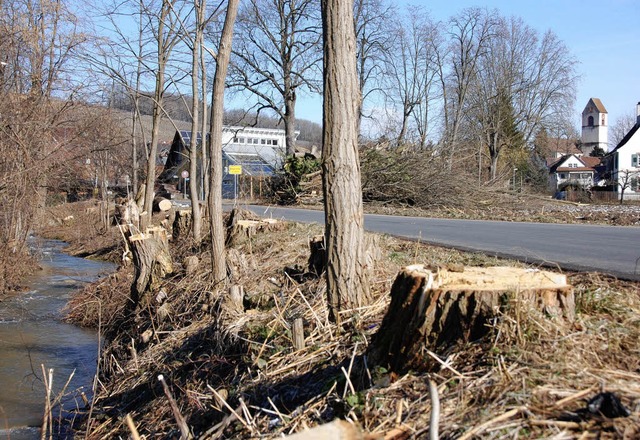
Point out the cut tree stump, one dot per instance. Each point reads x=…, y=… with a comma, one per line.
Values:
x=243, y=224
x=317, y=255
x=151, y=259
x=433, y=309
x=181, y=223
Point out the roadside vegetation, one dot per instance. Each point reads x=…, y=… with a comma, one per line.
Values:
x=236, y=374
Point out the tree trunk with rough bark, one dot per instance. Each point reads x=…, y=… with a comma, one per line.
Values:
x=347, y=284
x=151, y=259
x=218, y=257
x=432, y=310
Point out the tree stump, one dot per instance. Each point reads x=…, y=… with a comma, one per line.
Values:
x=433, y=309
x=191, y=265
x=151, y=259
x=317, y=255
x=181, y=223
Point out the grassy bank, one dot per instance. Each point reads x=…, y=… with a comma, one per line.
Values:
x=236, y=374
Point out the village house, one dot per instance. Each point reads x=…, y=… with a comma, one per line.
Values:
x=623, y=163
x=576, y=167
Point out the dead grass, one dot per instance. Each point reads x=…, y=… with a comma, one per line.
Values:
x=238, y=376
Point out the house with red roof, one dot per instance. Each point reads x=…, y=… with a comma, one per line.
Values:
x=573, y=170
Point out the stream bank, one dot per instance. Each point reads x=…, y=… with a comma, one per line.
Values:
x=33, y=334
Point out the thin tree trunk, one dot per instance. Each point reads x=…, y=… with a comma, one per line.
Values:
x=196, y=218
x=347, y=285
x=218, y=259
x=145, y=220
x=290, y=124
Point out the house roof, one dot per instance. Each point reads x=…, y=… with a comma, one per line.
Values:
x=589, y=163
x=598, y=104
x=626, y=138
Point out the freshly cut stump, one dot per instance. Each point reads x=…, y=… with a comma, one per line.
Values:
x=151, y=259
x=433, y=309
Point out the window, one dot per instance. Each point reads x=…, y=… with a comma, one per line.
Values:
x=563, y=176
x=602, y=120
x=634, y=160
x=275, y=142
x=590, y=123
x=634, y=184
x=263, y=141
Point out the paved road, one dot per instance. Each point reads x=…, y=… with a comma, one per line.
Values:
x=609, y=249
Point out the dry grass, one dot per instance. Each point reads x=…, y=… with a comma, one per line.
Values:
x=238, y=375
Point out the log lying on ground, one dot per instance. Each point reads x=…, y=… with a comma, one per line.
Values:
x=152, y=261
x=160, y=204
x=433, y=309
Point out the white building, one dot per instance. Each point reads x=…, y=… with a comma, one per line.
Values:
x=624, y=162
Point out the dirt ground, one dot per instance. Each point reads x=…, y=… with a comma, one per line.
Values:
x=236, y=374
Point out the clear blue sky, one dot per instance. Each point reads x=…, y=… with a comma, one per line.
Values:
x=603, y=35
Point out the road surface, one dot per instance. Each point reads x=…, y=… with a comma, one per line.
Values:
x=609, y=249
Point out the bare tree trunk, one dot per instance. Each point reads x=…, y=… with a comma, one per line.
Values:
x=218, y=260
x=145, y=220
x=290, y=124
x=347, y=284
x=196, y=217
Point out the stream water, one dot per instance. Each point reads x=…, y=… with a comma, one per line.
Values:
x=32, y=334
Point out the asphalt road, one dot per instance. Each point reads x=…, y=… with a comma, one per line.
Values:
x=608, y=249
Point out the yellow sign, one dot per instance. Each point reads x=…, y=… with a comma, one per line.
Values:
x=235, y=169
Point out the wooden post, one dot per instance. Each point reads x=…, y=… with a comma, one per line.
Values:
x=433, y=309
x=297, y=334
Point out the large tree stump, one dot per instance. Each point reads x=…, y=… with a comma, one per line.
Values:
x=434, y=309
x=151, y=259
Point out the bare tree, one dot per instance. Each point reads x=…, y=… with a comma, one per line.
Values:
x=619, y=129
x=218, y=260
x=347, y=285
x=469, y=32
x=411, y=70
x=522, y=83
x=277, y=55
x=373, y=42
x=165, y=31
x=627, y=179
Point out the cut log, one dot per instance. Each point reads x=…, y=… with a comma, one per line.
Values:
x=151, y=259
x=161, y=204
x=336, y=430
x=433, y=309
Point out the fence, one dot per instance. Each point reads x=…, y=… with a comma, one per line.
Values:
x=246, y=187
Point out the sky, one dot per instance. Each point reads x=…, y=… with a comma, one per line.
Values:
x=603, y=35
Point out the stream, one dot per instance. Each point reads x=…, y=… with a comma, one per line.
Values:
x=32, y=334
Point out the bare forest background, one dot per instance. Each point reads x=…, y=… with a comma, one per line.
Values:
x=90, y=93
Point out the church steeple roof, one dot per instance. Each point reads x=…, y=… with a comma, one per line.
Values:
x=595, y=102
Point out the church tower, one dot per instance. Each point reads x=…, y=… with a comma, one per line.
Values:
x=595, y=122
